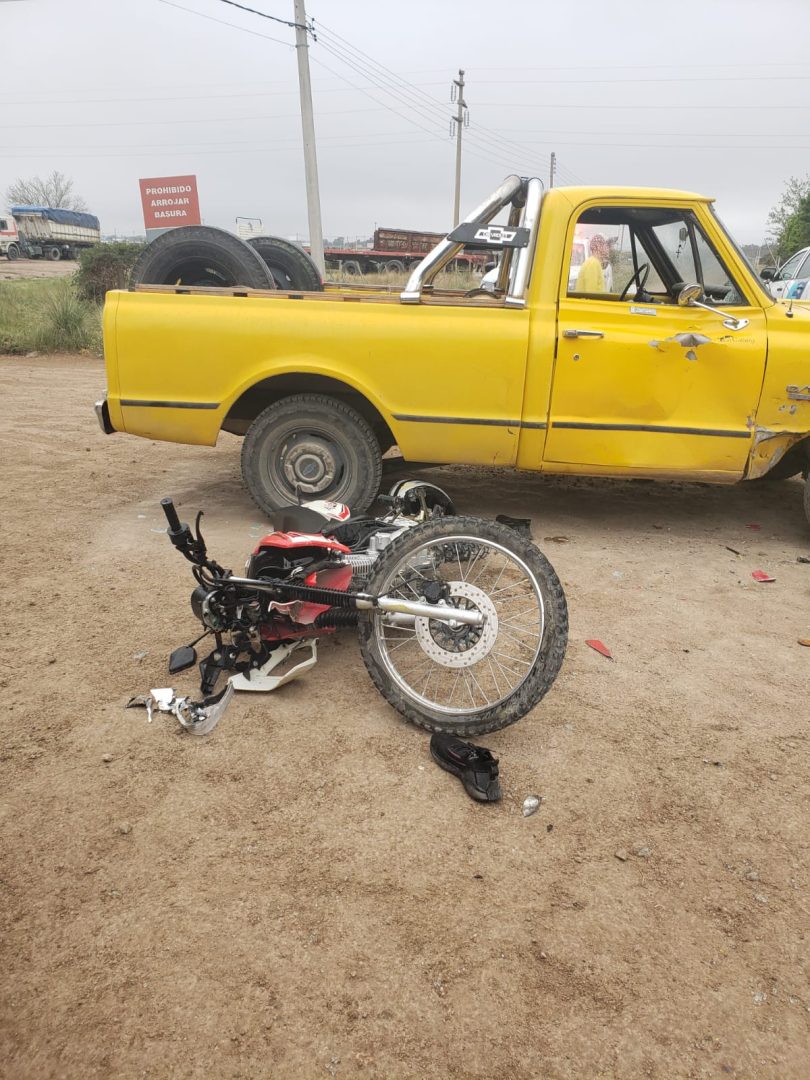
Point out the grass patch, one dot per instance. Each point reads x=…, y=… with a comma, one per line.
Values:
x=47, y=315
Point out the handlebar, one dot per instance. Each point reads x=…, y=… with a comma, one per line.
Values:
x=187, y=543
x=171, y=515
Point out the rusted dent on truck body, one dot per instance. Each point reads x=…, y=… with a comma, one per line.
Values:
x=768, y=449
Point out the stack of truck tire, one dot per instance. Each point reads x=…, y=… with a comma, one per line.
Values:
x=200, y=255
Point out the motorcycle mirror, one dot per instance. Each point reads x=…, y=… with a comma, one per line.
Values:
x=182, y=658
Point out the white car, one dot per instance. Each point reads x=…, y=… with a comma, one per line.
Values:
x=790, y=280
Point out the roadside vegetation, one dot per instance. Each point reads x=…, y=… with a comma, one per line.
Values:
x=63, y=314
x=47, y=315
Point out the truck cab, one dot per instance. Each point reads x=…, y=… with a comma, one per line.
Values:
x=9, y=237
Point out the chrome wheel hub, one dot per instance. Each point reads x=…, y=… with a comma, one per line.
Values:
x=310, y=465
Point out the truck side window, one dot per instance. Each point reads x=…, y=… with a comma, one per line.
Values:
x=3, y=225
x=644, y=254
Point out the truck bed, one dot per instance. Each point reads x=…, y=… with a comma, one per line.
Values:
x=337, y=293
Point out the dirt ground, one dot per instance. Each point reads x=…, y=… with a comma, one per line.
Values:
x=303, y=893
x=21, y=269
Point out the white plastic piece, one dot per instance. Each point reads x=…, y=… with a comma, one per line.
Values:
x=261, y=678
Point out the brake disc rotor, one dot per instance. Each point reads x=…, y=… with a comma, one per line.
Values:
x=460, y=646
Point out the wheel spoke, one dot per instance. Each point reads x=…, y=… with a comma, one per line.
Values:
x=463, y=669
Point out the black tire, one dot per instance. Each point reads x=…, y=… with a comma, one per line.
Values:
x=785, y=469
x=553, y=643
x=316, y=442
x=807, y=497
x=290, y=266
x=352, y=267
x=395, y=266
x=200, y=255
x=13, y=252
x=54, y=254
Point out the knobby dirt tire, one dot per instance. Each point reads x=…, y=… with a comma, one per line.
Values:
x=553, y=643
x=290, y=266
x=200, y=255
x=807, y=497
x=324, y=421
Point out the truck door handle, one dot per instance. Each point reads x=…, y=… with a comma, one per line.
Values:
x=582, y=333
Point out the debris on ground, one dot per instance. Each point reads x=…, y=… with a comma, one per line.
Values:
x=600, y=647
x=805, y=641
x=754, y=525
x=622, y=854
x=106, y=758
x=531, y=804
x=762, y=575
x=556, y=539
x=733, y=550
x=803, y=558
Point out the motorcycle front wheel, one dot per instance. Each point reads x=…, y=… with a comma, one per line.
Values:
x=462, y=678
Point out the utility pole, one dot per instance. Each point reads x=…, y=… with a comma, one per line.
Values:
x=552, y=169
x=308, y=127
x=461, y=120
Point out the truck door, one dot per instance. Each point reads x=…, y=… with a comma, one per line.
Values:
x=640, y=383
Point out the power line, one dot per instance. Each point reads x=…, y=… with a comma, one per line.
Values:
x=222, y=22
x=204, y=120
x=415, y=93
x=264, y=15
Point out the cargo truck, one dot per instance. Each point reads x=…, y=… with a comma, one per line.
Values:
x=394, y=251
x=45, y=232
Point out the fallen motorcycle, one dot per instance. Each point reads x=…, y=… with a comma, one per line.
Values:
x=462, y=622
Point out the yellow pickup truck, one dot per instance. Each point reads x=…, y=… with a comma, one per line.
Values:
x=660, y=354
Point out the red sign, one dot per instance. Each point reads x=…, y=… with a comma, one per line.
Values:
x=169, y=201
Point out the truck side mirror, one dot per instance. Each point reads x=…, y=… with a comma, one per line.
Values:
x=688, y=297
x=688, y=294
x=768, y=274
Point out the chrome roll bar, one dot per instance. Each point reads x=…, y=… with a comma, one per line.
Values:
x=446, y=249
x=516, y=297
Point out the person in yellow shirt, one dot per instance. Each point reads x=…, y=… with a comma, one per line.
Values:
x=591, y=278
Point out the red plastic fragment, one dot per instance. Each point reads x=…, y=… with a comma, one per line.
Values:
x=762, y=575
x=754, y=525
x=600, y=647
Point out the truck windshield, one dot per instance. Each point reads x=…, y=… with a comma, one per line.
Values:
x=741, y=254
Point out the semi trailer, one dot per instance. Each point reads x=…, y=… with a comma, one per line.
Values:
x=46, y=232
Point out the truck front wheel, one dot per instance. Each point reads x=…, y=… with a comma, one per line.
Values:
x=309, y=446
x=13, y=252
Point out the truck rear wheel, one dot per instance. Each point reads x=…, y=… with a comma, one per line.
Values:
x=352, y=267
x=54, y=254
x=290, y=266
x=200, y=255
x=309, y=446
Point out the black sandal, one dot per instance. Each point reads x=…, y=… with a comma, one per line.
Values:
x=473, y=765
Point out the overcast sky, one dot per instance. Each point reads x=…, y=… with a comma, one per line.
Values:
x=706, y=95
